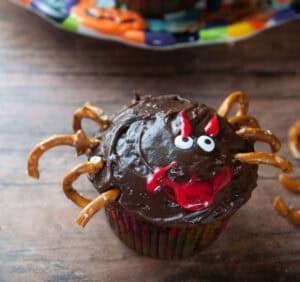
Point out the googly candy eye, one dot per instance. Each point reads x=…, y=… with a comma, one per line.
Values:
x=183, y=142
x=206, y=143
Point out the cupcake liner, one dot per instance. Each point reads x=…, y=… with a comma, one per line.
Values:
x=163, y=242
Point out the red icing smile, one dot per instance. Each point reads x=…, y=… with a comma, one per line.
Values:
x=192, y=195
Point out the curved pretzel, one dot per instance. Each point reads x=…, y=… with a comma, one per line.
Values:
x=92, y=166
x=241, y=121
x=290, y=214
x=93, y=207
x=265, y=158
x=294, y=142
x=258, y=134
x=91, y=112
x=289, y=183
x=230, y=101
x=79, y=140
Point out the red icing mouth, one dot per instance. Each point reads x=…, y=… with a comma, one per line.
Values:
x=192, y=195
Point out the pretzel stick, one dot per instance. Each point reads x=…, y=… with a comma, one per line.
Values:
x=241, y=121
x=91, y=112
x=290, y=214
x=265, y=158
x=78, y=140
x=93, y=207
x=92, y=166
x=258, y=134
x=289, y=183
x=294, y=142
x=230, y=101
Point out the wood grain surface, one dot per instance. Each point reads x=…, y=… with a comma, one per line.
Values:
x=45, y=74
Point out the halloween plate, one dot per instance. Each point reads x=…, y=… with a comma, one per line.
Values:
x=228, y=21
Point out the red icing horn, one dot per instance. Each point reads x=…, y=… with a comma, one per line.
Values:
x=186, y=128
x=213, y=127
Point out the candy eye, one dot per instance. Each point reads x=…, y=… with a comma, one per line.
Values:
x=206, y=143
x=183, y=142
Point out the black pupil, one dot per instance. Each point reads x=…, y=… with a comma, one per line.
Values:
x=207, y=141
x=184, y=139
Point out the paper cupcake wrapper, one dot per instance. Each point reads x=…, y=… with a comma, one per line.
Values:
x=163, y=242
x=97, y=18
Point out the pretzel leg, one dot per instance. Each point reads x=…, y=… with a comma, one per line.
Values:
x=92, y=166
x=93, y=207
x=241, y=121
x=261, y=135
x=230, y=101
x=290, y=214
x=289, y=183
x=89, y=111
x=78, y=140
x=294, y=142
x=265, y=158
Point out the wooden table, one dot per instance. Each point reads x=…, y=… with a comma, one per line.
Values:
x=45, y=74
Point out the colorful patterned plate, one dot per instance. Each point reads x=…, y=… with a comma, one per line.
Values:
x=105, y=19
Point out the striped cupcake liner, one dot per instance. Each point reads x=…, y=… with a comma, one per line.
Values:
x=165, y=242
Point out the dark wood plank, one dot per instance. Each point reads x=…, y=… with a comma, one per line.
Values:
x=45, y=74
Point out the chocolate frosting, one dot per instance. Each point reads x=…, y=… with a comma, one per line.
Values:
x=140, y=139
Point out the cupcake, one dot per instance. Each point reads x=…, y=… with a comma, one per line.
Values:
x=157, y=8
x=170, y=172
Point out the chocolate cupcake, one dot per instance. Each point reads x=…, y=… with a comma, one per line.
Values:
x=170, y=172
x=157, y=8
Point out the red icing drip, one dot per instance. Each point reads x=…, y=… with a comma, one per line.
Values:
x=213, y=127
x=192, y=195
x=186, y=128
x=154, y=183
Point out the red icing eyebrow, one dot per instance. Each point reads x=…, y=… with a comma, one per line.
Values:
x=213, y=127
x=186, y=127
